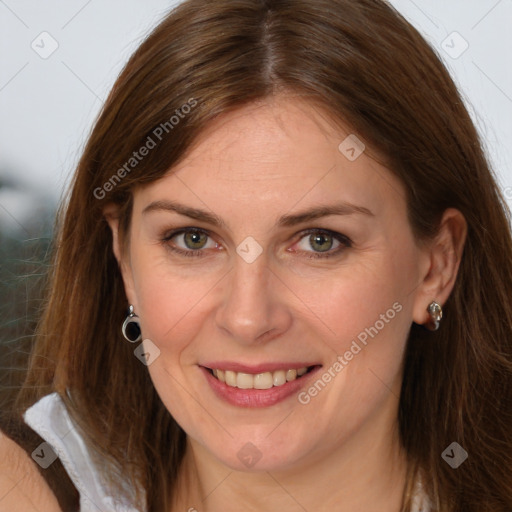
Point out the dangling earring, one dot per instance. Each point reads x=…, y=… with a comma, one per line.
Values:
x=131, y=327
x=436, y=313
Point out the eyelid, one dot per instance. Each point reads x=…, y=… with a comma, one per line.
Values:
x=345, y=241
x=182, y=231
x=178, y=231
x=334, y=234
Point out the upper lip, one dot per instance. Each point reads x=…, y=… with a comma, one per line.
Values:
x=256, y=368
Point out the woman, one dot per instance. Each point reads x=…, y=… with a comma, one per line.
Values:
x=281, y=282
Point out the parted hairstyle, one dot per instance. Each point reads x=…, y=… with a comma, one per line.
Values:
x=362, y=63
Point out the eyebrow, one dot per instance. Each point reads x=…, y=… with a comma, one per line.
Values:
x=284, y=221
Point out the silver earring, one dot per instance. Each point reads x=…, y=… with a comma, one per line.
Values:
x=436, y=313
x=131, y=327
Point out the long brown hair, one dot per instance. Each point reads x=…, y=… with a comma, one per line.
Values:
x=363, y=63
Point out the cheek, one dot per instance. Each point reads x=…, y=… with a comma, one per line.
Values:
x=364, y=317
x=168, y=303
x=360, y=300
x=371, y=316
x=172, y=302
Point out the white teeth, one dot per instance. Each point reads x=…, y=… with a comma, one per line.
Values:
x=279, y=378
x=244, y=381
x=264, y=380
x=230, y=378
x=291, y=375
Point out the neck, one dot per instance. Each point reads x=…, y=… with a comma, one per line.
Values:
x=367, y=472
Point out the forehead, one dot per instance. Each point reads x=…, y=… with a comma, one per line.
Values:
x=271, y=155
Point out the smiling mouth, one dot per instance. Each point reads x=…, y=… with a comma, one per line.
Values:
x=265, y=380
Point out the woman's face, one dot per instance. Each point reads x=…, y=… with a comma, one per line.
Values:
x=275, y=246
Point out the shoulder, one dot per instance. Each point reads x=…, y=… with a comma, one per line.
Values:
x=22, y=487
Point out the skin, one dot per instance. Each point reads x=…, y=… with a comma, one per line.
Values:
x=22, y=487
x=340, y=451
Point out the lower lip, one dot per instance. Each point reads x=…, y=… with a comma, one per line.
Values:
x=256, y=397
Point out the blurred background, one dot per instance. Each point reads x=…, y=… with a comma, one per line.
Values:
x=58, y=61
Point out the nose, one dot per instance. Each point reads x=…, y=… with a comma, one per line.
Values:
x=252, y=309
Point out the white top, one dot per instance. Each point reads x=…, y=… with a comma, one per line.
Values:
x=50, y=419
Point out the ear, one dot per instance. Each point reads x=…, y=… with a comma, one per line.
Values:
x=111, y=214
x=441, y=260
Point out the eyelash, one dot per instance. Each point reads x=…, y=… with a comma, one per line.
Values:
x=343, y=239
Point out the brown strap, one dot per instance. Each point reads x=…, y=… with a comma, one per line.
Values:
x=55, y=475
